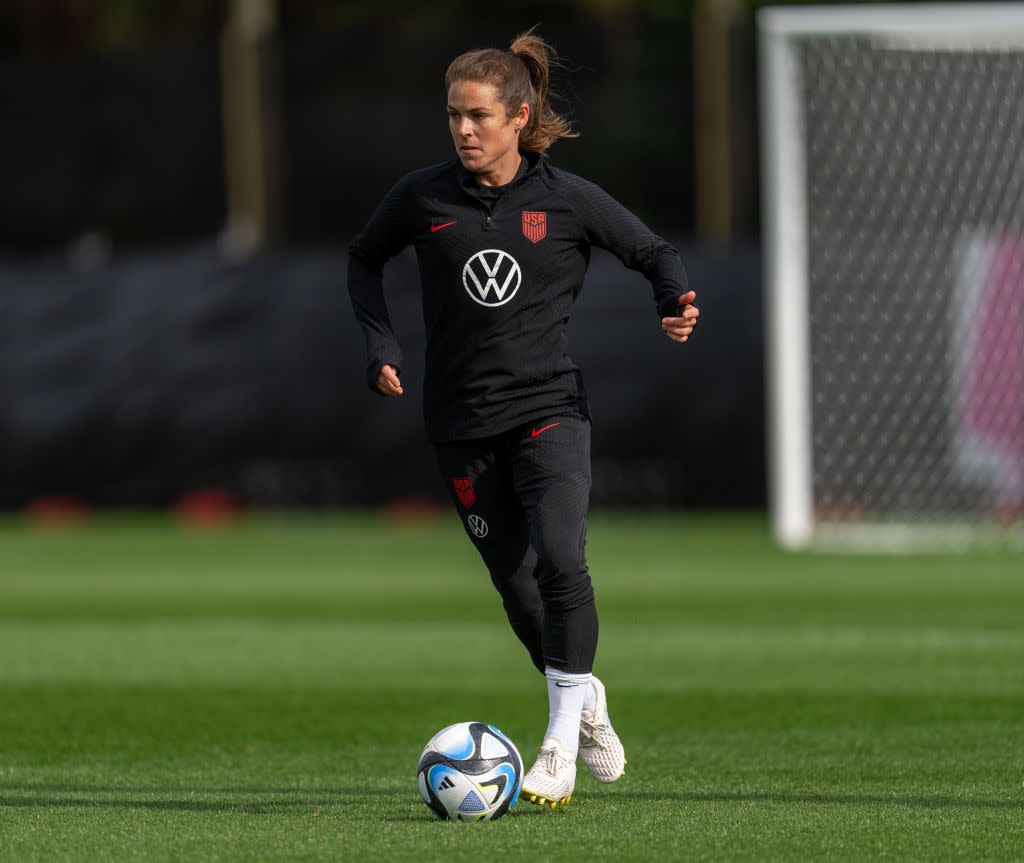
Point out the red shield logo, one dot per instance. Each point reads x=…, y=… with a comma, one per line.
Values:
x=464, y=490
x=535, y=226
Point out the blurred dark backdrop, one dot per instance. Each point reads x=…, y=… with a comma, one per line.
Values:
x=174, y=307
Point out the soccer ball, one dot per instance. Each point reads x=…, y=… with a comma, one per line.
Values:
x=470, y=772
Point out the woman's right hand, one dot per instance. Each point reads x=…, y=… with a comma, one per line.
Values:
x=387, y=381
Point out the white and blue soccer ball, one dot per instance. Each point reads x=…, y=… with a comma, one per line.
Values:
x=470, y=772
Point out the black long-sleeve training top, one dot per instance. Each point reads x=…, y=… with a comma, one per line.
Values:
x=500, y=268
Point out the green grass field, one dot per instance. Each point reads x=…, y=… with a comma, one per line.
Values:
x=264, y=693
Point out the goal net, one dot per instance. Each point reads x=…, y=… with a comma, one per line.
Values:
x=893, y=144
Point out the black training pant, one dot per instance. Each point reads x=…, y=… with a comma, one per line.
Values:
x=523, y=498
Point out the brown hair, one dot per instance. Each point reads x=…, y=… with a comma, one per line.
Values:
x=520, y=75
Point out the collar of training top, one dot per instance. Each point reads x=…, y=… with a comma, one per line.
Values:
x=467, y=179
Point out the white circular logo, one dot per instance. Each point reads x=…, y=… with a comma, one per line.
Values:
x=478, y=526
x=492, y=270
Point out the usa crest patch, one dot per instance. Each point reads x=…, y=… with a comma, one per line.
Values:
x=535, y=226
x=464, y=491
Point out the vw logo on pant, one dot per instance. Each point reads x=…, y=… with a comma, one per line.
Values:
x=478, y=526
x=492, y=270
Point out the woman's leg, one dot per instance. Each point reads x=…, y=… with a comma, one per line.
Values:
x=478, y=477
x=551, y=476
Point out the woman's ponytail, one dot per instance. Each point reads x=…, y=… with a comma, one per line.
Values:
x=545, y=125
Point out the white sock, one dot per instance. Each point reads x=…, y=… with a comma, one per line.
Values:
x=566, y=693
x=590, y=699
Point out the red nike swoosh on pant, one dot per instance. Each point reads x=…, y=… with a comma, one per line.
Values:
x=435, y=228
x=536, y=432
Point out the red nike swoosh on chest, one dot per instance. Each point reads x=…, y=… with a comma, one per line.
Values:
x=536, y=432
x=435, y=228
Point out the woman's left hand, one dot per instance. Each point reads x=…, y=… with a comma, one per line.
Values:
x=679, y=329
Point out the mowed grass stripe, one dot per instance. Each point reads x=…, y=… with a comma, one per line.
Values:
x=679, y=656
x=656, y=569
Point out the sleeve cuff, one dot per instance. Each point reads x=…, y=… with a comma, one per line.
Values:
x=670, y=308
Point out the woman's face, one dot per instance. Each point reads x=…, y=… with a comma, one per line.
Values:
x=482, y=130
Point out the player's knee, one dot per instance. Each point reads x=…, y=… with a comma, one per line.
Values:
x=567, y=589
x=560, y=546
x=519, y=592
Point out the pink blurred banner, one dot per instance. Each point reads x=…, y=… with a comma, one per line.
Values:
x=987, y=329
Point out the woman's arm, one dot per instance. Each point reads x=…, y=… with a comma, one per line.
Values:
x=609, y=225
x=384, y=236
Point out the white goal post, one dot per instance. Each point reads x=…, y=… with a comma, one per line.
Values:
x=893, y=226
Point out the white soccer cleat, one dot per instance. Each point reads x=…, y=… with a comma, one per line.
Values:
x=552, y=778
x=600, y=747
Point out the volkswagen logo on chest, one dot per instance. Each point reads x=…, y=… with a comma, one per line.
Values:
x=492, y=277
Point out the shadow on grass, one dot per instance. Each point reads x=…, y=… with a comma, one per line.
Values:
x=32, y=787
x=423, y=814
x=291, y=800
x=923, y=800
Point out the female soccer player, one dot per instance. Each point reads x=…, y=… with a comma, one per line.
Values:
x=503, y=240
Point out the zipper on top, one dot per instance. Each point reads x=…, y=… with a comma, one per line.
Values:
x=489, y=214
